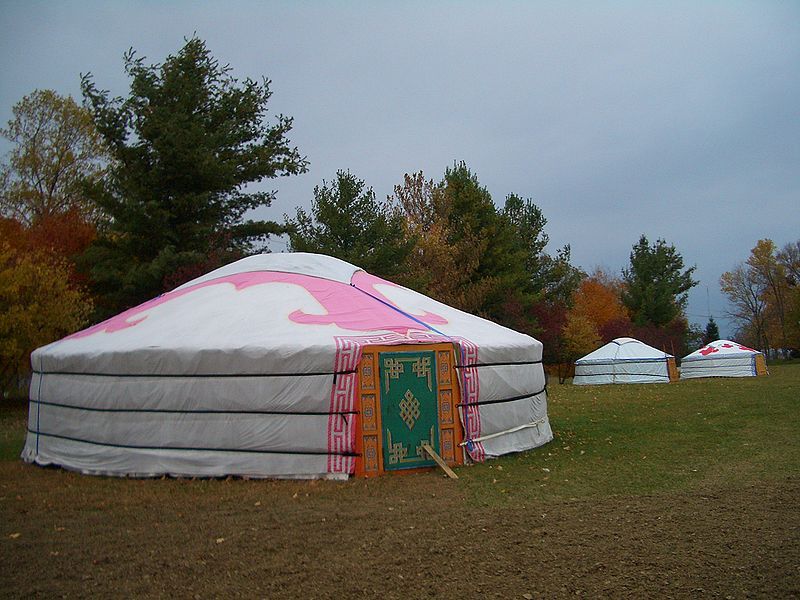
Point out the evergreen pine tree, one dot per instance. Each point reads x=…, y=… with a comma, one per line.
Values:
x=473, y=215
x=712, y=331
x=656, y=283
x=185, y=143
x=348, y=222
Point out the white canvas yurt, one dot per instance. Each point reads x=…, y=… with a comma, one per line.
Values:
x=285, y=365
x=723, y=358
x=625, y=360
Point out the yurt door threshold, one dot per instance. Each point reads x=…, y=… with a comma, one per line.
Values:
x=408, y=397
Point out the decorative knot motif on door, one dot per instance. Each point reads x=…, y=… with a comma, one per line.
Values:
x=409, y=409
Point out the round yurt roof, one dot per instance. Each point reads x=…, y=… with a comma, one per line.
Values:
x=721, y=349
x=623, y=349
x=286, y=309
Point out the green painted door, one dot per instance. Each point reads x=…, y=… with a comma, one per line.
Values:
x=409, y=410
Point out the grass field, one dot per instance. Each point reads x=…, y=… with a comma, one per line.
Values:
x=681, y=490
x=646, y=439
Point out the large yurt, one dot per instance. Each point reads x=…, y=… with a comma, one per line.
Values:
x=625, y=360
x=285, y=365
x=723, y=358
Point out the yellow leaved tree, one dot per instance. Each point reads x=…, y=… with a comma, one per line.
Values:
x=38, y=305
x=580, y=337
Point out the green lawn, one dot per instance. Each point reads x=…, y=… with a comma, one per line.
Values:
x=13, y=416
x=627, y=440
x=646, y=439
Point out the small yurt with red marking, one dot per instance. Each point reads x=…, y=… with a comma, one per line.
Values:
x=723, y=358
x=285, y=365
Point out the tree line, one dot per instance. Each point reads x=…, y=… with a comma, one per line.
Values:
x=106, y=204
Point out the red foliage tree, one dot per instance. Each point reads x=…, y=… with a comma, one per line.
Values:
x=61, y=236
x=615, y=328
x=552, y=317
x=670, y=338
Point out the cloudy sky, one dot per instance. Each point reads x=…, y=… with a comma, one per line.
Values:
x=676, y=120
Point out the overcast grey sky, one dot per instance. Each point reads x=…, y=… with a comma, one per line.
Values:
x=678, y=120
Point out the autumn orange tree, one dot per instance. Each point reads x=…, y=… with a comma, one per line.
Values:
x=598, y=299
x=595, y=312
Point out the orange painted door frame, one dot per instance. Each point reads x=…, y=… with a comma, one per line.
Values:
x=369, y=430
x=672, y=369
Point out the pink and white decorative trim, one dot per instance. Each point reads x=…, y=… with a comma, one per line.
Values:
x=470, y=392
x=342, y=432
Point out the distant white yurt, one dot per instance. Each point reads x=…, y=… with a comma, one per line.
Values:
x=723, y=358
x=625, y=360
x=285, y=365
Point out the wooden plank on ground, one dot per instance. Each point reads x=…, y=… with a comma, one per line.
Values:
x=438, y=459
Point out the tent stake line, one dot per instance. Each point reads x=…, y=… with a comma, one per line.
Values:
x=499, y=433
x=438, y=460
